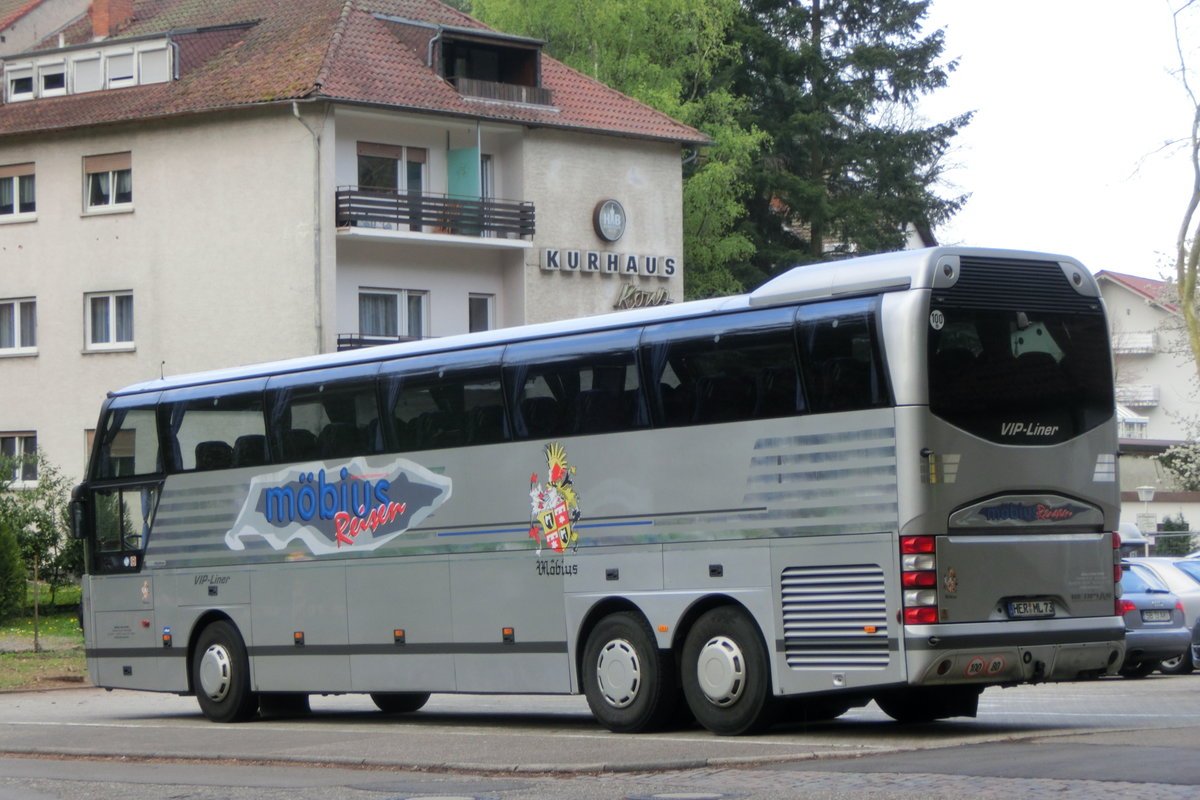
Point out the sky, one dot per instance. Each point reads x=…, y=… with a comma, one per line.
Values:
x=1074, y=101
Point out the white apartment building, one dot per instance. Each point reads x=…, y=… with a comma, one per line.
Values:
x=1157, y=393
x=187, y=186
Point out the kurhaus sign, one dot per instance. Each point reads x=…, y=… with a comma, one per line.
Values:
x=606, y=263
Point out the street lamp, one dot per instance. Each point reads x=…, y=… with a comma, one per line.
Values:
x=1147, y=522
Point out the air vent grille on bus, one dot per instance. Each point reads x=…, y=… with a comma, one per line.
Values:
x=835, y=617
x=1013, y=283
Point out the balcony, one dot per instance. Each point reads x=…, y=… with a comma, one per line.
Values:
x=505, y=92
x=1137, y=396
x=433, y=213
x=1129, y=343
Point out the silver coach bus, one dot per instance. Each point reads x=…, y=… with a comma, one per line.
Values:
x=891, y=478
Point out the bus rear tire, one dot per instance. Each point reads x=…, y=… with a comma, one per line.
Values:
x=926, y=704
x=629, y=683
x=726, y=677
x=221, y=675
x=399, y=702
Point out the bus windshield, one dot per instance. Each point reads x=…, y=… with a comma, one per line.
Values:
x=1014, y=377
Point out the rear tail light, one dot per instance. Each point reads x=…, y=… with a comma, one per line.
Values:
x=1179, y=607
x=918, y=577
x=1124, y=606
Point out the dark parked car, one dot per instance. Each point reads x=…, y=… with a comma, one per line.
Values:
x=1154, y=621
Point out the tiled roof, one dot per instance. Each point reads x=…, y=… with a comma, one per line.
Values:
x=1148, y=288
x=341, y=50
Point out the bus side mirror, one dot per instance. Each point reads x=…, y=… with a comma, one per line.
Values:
x=77, y=511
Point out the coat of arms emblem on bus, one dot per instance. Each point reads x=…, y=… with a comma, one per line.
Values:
x=555, y=505
x=361, y=505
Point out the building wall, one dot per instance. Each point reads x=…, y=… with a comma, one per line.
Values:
x=38, y=23
x=217, y=250
x=567, y=175
x=1169, y=369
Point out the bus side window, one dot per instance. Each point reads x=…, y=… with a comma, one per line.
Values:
x=451, y=407
x=575, y=385
x=725, y=369
x=211, y=431
x=840, y=353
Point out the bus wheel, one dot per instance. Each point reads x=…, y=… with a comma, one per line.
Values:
x=399, y=702
x=726, y=678
x=221, y=675
x=926, y=704
x=283, y=704
x=629, y=684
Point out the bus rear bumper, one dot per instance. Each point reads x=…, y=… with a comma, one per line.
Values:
x=1014, y=652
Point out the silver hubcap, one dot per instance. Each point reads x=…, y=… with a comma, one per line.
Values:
x=619, y=673
x=721, y=670
x=215, y=672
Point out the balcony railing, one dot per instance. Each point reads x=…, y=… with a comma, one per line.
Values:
x=433, y=213
x=1130, y=343
x=355, y=341
x=509, y=92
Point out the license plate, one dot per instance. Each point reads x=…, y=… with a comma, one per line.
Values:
x=1156, y=616
x=1028, y=609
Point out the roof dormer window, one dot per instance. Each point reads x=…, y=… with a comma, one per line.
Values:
x=492, y=66
x=88, y=68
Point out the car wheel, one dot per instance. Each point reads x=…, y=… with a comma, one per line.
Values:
x=1179, y=665
x=1138, y=670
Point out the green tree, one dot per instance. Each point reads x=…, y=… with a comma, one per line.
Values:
x=38, y=516
x=675, y=56
x=1173, y=545
x=12, y=572
x=834, y=83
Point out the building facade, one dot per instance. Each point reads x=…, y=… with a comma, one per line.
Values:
x=1158, y=402
x=189, y=186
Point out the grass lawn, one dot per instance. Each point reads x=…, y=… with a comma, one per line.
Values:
x=61, y=660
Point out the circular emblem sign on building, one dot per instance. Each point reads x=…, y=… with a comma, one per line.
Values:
x=609, y=220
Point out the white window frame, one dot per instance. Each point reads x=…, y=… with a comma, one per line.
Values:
x=20, y=441
x=16, y=175
x=119, y=77
x=111, y=326
x=490, y=300
x=113, y=166
x=403, y=299
x=19, y=72
x=19, y=347
x=47, y=69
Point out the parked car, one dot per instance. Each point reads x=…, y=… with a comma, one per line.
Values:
x=1154, y=621
x=1174, y=573
x=1191, y=566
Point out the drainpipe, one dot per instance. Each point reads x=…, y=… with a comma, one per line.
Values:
x=318, y=318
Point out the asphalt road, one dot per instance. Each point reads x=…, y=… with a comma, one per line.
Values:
x=1112, y=738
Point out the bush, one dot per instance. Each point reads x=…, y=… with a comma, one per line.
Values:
x=12, y=573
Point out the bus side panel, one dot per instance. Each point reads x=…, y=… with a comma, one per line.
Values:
x=401, y=627
x=123, y=645
x=298, y=614
x=509, y=624
x=836, y=614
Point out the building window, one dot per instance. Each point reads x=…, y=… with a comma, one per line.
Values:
x=53, y=79
x=18, y=457
x=388, y=167
x=109, y=320
x=109, y=181
x=392, y=313
x=18, y=193
x=480, y=312
x=20, y=82
x=18, y=327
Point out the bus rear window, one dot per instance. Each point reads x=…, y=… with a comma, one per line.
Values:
x=1019, y=378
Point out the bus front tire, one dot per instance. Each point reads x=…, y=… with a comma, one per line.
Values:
x=399, y=702
x=221, y=675
x=629, y=683
x=726, y=676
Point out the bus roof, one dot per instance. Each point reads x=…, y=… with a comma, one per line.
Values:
x=896, y=271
